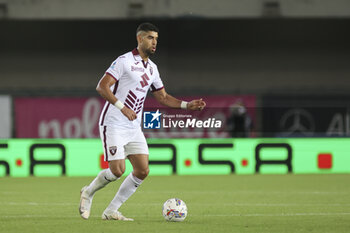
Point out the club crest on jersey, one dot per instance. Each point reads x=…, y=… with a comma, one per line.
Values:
x=138, y=69
x=113, y=150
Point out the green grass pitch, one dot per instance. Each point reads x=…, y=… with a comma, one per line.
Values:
x=231, y=203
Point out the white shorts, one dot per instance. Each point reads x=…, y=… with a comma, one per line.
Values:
x=117, y=144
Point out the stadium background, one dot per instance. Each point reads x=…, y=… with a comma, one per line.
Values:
x=287, y=62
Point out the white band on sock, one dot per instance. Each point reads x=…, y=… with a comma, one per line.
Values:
x=126, y=189
x=103, y=178
x=136, y=180
x=110, y=176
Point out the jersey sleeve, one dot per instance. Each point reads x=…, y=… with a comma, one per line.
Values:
x=157, y=83
x=116, y=69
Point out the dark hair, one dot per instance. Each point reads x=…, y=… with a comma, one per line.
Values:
x=147, y=27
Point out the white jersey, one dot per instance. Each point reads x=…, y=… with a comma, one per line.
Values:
x=134, y=78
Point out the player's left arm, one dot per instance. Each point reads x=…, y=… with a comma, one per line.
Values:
x=165, y=99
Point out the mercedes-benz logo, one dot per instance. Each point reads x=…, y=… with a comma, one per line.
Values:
x=297, y=120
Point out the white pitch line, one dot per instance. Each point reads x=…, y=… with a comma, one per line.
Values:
x=37, y=204
x=192, y=204
x=281, y=204
x=248, y=192
x=236, y=192
x=191, y=215
x=276, y=215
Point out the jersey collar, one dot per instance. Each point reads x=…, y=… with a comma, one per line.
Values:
x=137, y=57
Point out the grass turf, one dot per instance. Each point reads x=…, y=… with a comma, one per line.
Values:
x=232, y=203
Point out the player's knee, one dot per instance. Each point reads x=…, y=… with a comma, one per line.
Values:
x=117, y=167
x=117, y=171
x=142, y=174
x=145, y=172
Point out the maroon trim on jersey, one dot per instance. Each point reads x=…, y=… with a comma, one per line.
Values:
x=127, y=105
x=144, y=64
x=104, y=113
x=154, y=88
x=127, y=102
x=135, y=52
x=112, y=76
x=133, y=95
x=115, y=88
x=132, y=99
x=105, y=142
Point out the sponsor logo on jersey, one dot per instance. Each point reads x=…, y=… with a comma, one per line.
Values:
x=138, y=69
x=141, y=90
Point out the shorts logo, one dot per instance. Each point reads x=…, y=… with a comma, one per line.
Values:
x=151, y=120
x=112, y=150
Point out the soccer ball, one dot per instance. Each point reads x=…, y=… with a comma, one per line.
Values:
x=174, y=210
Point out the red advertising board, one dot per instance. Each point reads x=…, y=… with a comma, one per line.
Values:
x=78, y=117
x=57, y=117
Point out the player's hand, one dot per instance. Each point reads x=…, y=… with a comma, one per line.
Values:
x=130, y=114
x=196, y=105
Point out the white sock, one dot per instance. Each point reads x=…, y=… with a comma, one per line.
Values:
x=103, y=178
x=126, y=189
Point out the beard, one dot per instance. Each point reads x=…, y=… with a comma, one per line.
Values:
x=149, y=52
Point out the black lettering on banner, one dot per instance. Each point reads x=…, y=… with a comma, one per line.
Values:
x=201, y=147
x=60, y=162
x=260, y=162
x=171, y=162
x=4, y=163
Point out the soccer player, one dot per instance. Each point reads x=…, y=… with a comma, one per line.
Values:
x=124, y=86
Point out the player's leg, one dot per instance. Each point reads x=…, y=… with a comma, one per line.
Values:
x=115, y=170
x=87, y=192
x=137, y=151
x=129, y=186
x=132, y=181
x=140, y=166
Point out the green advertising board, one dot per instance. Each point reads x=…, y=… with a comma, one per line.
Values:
x=84, y=157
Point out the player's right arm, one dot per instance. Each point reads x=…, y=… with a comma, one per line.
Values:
x=104, y=89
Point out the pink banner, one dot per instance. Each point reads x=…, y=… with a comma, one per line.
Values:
x=78, y=117
x=57, y=117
